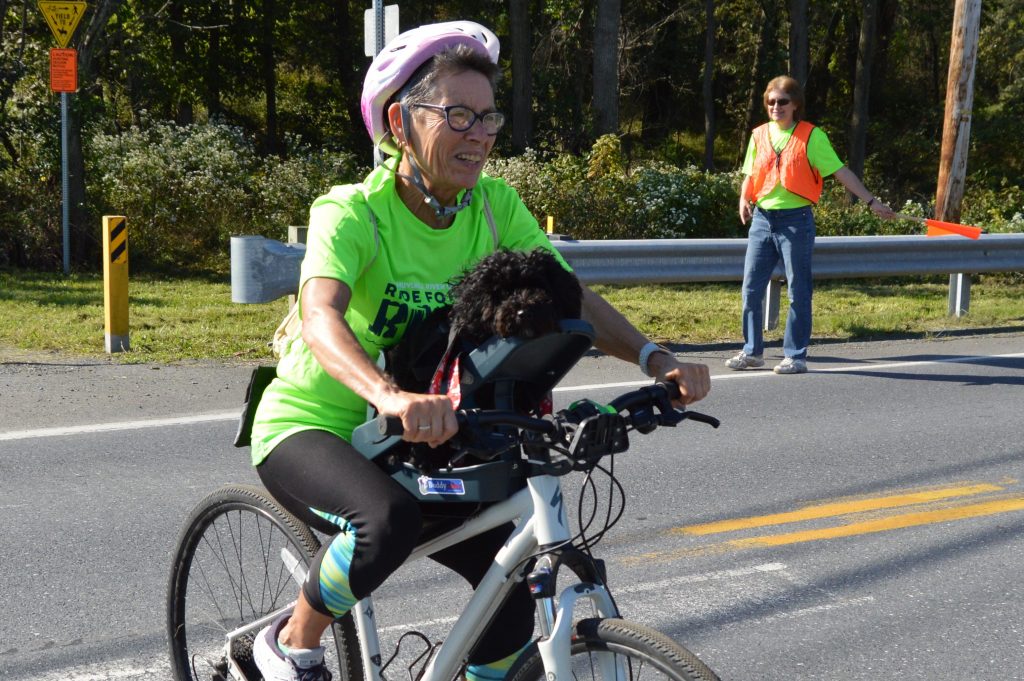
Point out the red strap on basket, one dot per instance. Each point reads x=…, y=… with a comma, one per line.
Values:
x=447, y=381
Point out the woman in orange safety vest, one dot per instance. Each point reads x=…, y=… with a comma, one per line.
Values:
x=787, y=159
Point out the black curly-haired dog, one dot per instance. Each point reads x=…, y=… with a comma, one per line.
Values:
x=508, y=293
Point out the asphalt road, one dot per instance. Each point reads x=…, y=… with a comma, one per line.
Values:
x=862, y=521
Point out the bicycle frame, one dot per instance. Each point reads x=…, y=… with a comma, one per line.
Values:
x=540, y=510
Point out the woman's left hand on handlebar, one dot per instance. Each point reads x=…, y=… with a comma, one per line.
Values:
x=694, y=380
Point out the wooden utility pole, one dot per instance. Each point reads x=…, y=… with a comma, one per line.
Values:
x=956, y=134
x=956, y=130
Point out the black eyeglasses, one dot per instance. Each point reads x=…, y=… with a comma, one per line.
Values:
x=782, y=101
x=461, y=118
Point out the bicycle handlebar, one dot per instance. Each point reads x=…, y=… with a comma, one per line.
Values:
x=638, y=404
x=575, y=438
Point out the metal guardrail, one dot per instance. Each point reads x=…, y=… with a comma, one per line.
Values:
x=263, y=270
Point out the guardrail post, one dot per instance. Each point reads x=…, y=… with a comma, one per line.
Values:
x=296, y=235
x=959, y=295
x=771, y=304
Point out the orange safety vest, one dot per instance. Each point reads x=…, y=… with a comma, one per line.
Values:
x=789, y=166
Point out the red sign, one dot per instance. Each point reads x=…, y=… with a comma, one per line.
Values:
x=63, y=70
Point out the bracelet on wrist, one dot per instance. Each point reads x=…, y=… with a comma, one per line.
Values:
x=645, y=356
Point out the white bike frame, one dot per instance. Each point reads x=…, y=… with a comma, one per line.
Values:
x=540, y=511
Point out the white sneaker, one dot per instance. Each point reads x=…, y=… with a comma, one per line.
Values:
x=744, y=361
x=298, y=665
x=791, y=366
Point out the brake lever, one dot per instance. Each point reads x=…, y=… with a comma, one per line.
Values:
x=703, y=418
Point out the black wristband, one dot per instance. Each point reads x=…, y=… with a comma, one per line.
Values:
x=871, y=202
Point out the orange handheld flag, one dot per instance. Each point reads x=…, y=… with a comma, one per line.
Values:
x=940, y=228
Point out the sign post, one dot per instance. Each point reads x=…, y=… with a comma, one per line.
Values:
x=380, y=26
x=63, y=18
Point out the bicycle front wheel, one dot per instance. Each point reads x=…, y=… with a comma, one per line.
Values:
x=235, y=563
x=619, y=650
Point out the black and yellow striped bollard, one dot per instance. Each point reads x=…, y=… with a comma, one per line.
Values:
x=115, y=283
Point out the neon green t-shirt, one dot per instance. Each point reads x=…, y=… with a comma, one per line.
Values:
x=819, y=152
x=404, y=277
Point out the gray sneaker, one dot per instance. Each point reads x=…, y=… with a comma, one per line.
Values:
x=744, y=361
x=791, y=366
x=276, y=666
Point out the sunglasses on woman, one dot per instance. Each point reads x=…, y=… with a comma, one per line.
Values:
x=781, y=101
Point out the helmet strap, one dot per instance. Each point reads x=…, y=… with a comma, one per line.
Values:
x=416, y=180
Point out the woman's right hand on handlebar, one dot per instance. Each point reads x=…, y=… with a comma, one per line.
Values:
x=425, y=418
x=694, y=380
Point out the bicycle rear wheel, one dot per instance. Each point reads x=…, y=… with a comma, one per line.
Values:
x=233, y=565
x=638, y=653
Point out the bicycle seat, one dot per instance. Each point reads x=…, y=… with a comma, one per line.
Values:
x=501, y=373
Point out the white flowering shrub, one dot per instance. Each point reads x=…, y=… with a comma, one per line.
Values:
x=685, y=203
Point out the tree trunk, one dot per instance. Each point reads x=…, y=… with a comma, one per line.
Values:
x=578, y=139
x=819, y=80
x=885, y=31
x=522, y=75
x=182, y=104
x=956, y=129
x=268, y=64
x=765, y=38
x=344, y=63
x=213, y=77
x=606, y=67
x=708, y=85
x=799, y=51
x=862, y=91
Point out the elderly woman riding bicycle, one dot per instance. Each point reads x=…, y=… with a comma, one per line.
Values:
x=380, y=254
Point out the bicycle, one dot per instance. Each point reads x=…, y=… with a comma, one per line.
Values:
x=260, y=551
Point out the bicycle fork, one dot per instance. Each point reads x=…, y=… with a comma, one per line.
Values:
x=556, y=614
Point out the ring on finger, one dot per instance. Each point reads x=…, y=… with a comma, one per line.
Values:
x=424, y=426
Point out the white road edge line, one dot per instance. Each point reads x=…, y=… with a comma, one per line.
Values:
x=120, y=425
x=233, y=415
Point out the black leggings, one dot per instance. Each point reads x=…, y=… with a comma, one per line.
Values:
x=315, y=469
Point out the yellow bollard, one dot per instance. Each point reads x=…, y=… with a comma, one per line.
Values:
x=551, y=224
x=115, y=283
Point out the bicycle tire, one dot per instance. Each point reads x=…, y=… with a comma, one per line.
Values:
x=648, y=654
x=228, y=571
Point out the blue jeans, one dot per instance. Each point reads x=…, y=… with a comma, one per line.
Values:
x=774, y=234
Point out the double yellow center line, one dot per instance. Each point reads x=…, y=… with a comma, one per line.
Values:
x=860, y=516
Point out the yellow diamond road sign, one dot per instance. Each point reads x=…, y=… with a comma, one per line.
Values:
x=63, y=18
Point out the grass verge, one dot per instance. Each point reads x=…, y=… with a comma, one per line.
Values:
x=194, y=319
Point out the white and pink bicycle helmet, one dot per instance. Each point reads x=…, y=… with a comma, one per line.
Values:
x=396, y=63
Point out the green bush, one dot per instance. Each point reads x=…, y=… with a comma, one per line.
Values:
x=30, y=169
x=996, y=210
x=30, y=221
x=187, y=189
x=596, y=197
